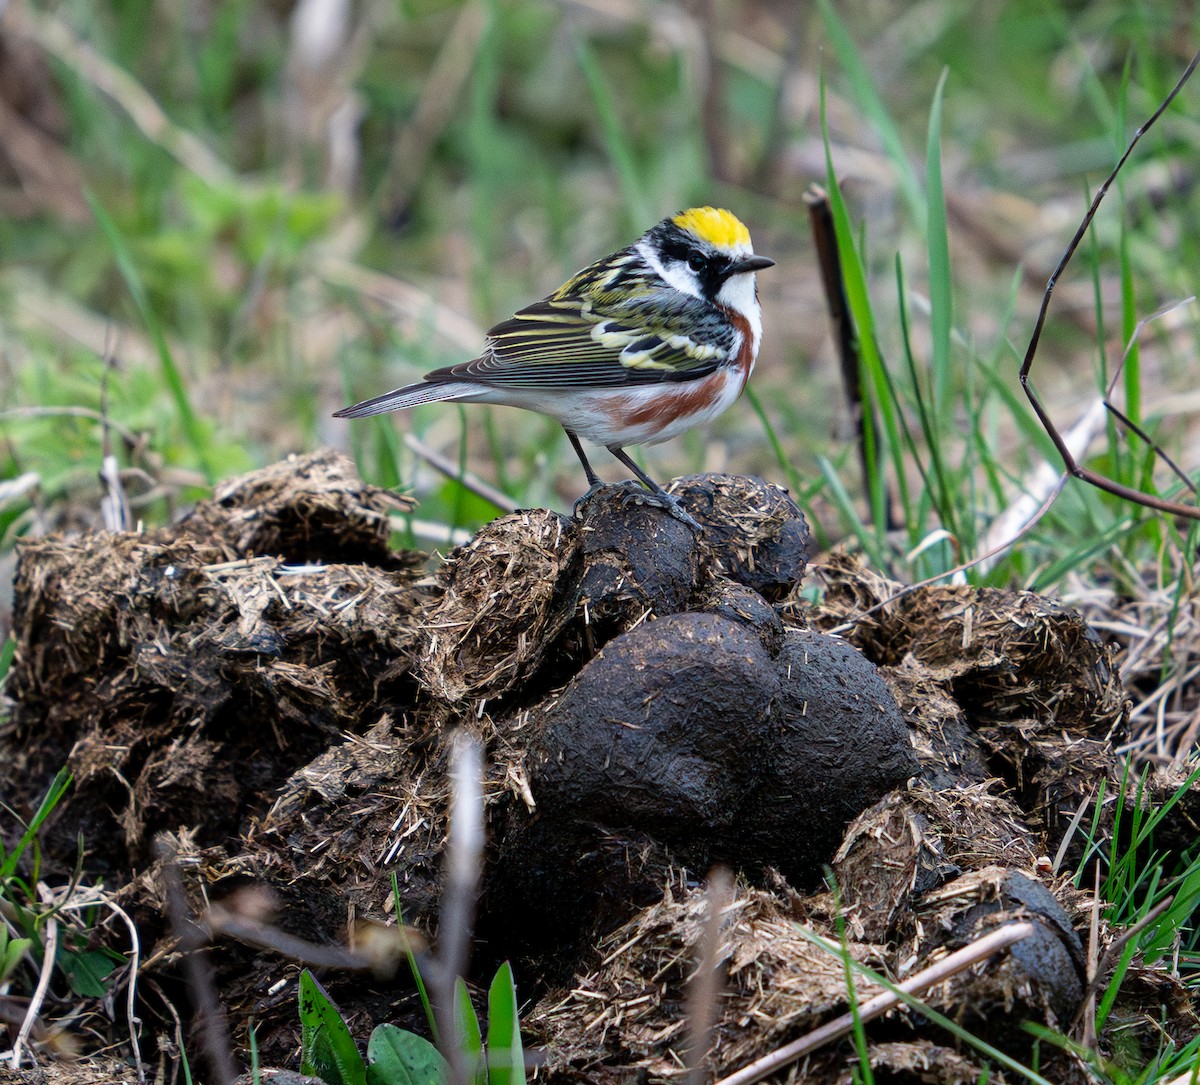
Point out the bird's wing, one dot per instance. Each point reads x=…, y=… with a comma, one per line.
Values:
x=601, y=338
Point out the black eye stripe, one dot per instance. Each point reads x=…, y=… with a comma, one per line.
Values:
x=673, y=249
x=710, y=268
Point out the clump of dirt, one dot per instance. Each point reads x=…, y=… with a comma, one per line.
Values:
x=752, y=531
x=651, y=699
x=311, y=508
x=1022, y=688
x=628, y=1017
x=182, y=679
x=535, y=595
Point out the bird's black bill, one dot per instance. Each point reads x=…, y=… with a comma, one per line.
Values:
x=751, y=263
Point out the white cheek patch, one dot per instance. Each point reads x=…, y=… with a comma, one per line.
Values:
x=681, y=277
x=739, y=292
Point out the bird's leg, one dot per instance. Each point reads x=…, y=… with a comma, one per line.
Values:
x=644, y=478
x=594, y=481
x=657, y=495
x=592, y=477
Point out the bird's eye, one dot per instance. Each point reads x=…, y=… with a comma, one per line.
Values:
x=697, y=262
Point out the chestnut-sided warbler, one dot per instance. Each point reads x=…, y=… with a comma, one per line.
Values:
x=634, y=349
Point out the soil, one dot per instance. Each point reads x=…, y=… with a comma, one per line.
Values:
x=262, y=697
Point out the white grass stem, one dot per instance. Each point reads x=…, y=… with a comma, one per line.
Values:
x=1009, y=525
x=979, y=950
x=49, y=953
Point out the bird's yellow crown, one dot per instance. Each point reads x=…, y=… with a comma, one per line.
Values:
x=715, y=225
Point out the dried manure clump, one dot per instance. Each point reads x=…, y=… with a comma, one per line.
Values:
x=303, y=509
x=267, y=690
x=1022, y=689
x=182, y=679
x=627, y=1019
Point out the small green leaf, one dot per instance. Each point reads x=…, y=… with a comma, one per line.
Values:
x=8, y=651
x=11, y=952
x=505, y=1057
x=399, y=1057
x=87, y=971
x=467, y=1034
x=327, y=1050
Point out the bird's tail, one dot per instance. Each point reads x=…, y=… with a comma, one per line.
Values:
x=410, y=396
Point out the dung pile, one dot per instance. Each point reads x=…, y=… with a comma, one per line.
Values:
x=268, y=688
x=183, y=674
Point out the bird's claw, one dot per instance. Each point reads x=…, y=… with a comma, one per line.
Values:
x=584, y=498
x=636, y=494
x=660, y=499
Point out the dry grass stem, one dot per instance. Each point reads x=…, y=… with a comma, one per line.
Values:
x=49, y=953
x=980, y=950
x=464, y=863
x=704, y=990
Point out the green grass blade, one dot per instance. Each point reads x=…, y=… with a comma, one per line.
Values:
x=505, y=1055
x=58, y=788
x=802, y=492
x=8, y=651
x=192, y=430
x=793, y=476
x=255, y=1074
x=872, y=105
x=859, y=1032
x=941, y=293
x=841, y=500
x=875, y=379
x=418, y=979
x=468, y=1035
x=933, y=476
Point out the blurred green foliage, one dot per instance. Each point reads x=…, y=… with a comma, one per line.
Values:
x=478, y=152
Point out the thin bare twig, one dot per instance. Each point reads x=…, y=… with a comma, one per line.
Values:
x=12, y=489
x=467, y=479
x=979, y=950
x=264, y=936
x=1074, y=468
x=49, y=953
x=1124, y=419
x=69, y=412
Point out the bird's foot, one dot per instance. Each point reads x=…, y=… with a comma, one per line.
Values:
x=660, y=499
x=631, y=492
x=580, y=502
